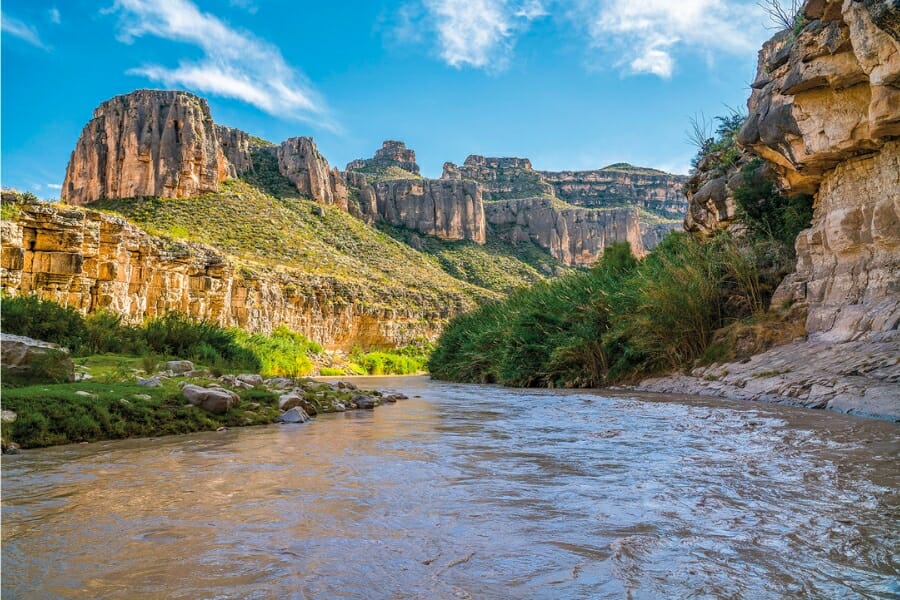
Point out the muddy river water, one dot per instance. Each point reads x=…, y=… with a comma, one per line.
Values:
x=470, y=492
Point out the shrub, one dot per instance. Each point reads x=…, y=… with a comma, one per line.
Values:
x=43, y=320
x=283, y=354
x=766, y=212
x=331, y=372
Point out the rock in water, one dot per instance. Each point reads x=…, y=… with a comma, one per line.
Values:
x=146, y=143
x=214, y=400
x=294, y=415
x=363, y=401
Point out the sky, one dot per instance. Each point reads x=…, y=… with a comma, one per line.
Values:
x=570, y=84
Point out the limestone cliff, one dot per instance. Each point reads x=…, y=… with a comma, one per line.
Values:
x=300, y=161
x=825, y=112
x=237, y=148
x=500, y=177
x=450, y=210
x=90, y=261
x=621, y=185
x=572, y=235
x=146, y=143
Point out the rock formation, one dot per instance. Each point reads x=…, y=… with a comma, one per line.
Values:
x=237, y=148
x=825, y=112
x=300, y=161
x=500, y=177
x=621, y=185
x=90, y=261
x=572, y=235
x=391, y=154
x=450, y=210
x=146, y=143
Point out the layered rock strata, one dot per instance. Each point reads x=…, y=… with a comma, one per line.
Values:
x=825, y=112
x=91, y=261
x=572, y=235
x=500, y=177
x=450, y=210
x=146, y=143
x=391, y=154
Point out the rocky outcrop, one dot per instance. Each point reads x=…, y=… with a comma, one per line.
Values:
x=825, y=112
x=300, y=161
x=91, y=261
x=237, y=148
x=621, y=185
x=146, y=143
x=574, y=236
x=500, y=177
x=450, y=210
x=653, y=233
x=391, y=154
x=860, y=378
x=23, y=357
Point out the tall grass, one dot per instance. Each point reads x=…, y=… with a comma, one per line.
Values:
x=621, y=319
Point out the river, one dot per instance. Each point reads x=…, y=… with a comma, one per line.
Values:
x=470, y=492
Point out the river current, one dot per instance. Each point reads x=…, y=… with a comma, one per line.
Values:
x=469, y=491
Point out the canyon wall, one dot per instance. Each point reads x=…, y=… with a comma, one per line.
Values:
x=825, y=112
x=300, y=161
x=574, y=236
x=91, y=261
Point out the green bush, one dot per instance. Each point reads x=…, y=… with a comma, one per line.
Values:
x=283, y=354
x=621, y=318
x=43, y=320
x=767, y=213
x=387, y=363
x=331, y=372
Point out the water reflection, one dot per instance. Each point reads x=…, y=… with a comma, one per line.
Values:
x=469, y=492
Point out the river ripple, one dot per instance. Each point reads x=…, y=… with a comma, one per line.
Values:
x=470, y=492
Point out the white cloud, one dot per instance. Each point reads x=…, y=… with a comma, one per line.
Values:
x=478, y=33
x=21, y=30
x=248, y=5
x=54, y=16
x=648, y=36
x=53, y=186
x=235, y=64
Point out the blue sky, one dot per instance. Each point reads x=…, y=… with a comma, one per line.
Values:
x=570, y=84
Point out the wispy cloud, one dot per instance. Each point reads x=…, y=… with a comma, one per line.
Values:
x=54, y=16
x=21, y=30
x=53, y=186
x=646, y=36
x=236, y=64
x=477, y=33
x=650, y=36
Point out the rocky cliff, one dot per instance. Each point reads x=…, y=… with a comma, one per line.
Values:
x=450, y=210
x=300, y=161
x=621, y=184
x=572, y=235
x=146, y=143
x=391, y=154
x=825, y=112
x=500, y=177
x=90, y=261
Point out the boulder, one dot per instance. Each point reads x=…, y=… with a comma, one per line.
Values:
x=294, y=415
x=292, y=399
x=8, y=416
x=149, y=382
x=250, y=379
x=179, y=367
x=363, y=401
x=22, y=356
x=214, y=400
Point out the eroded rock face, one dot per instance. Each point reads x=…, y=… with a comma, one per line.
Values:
x=619, y=185
x=500, y=177
x=20, y=354
x=450, y=210
x=237, y=149
x=825, y=111
x=575, y=236
x=90, y=261
x=300, y=161
x=391, y=154
x=146, y=143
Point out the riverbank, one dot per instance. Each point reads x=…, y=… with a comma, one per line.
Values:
x=859, y=378
x=183, y=400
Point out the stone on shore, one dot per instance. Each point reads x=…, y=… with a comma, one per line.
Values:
x=214, y=400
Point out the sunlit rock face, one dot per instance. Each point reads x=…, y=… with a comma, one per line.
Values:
x=825, y=112
x=91, y=261
x=300, y=161
x=146, y=143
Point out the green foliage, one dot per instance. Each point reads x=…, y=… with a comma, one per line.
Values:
x=766, y=212
x=283, y=354
x=52, y=366
x=9, y=211
x=179, y=335
x=717, y=151
x=55, y=414
x=388, y=363
x=331, y=372
x=43, y=320
x=621, y=318
x=267, y=177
